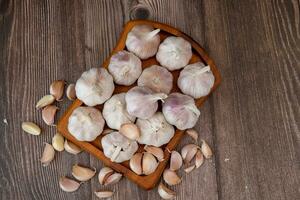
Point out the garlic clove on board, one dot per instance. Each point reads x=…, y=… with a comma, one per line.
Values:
x=57, y=89
x=71, y=148
x=104, y=194
x=31, y=128
x=68, y=185
x=165, y=192
x=206, y=150
x=156, y=151
x=175, y=161
x=58, y=142
x=199, y=159
x=45, y=101
x=149, y=163
x=170, y=177
x=135, y=163
x=70, y=92
x=192, y=133
x=189, y=169
x=48, y=114
x=83, y=173
x=113, y=179
x=130, y=130
x=188, y=152
x=48, y=155
x=104, y=173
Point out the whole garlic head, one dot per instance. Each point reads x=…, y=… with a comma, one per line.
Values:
x=155, y=131
x=117, y=147
x=196, y=80
x=141, y=102
x=174, y=53
x=157, y=78
x=125, y=67
x=94, y=86
x=143, y=41
x=180, y=110
x=86, y=123
x=115, y=112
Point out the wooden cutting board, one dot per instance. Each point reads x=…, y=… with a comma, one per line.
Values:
x=150, y=181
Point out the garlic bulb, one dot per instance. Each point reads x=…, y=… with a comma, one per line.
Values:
x=86, y=123
x=125, y=67
x=115, y=112
x=141, y=102
x=157, y=78
x=155, y=131
x=117, y=147
x=180, y=110
x=174, y=53
x=94, y=86
x=196, y=80
x=143, y=41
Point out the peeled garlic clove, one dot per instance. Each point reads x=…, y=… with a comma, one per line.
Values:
x=156, y=151
x=180, y=110
x=45, y=101
x=157, y=78
x=189, y=169
x=48, y=154
x=104, y=194
x=206, y=150
x=113, y=179
x=82, y=173
x=135, y=163
x=174, y=53
x=143, y=41
x=188, y=152
x=170, y=177
x=104, y=173
x=70, y=92
x=175, y=161
x=68, y=185
x=149, y=163
x=94, y=87
x=193, y=133
x=31, y=128
x=165, y=192
x=48, y=114
x=130, y=130
x=199, y=159
x=71, y=148
x=58, y=142
x=125, y=67
x=57, y=89
x=141, y=102
x=196, y=80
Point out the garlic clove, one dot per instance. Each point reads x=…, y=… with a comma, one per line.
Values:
x=175, y=161
x=58, y=142
x=70, y=92
x=71, y=148
x=189, y=169
x=170, y=177
x=199, y=159
x=135, y=163
x=48, y=114
x=31, y=128
x=106, y=131
x=156, y=151
x=57, y=89
x=206, y=150
x=188, y=152
x=83, y=173
x=104, y=194
x=48, y=154
x=165, y=192
x=68, y=185
x=104, y=173
x=193, y=133
x=130, y=130
x=112, y=179
x=45, y=101
x=149, y=163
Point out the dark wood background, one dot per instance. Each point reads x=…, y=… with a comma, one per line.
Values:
x=252, y=121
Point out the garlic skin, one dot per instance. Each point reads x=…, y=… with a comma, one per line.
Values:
x=86, y=123
x=115, y=112
x=143, y=41
x=155, y=131
x=141, y=102
x=125, y=67
x=196, y=80
x=180, y=110
x=157, y=78
x=117, y=147
x=174, y=53
x=94, y=86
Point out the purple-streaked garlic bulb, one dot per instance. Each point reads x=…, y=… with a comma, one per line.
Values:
x=125, y=67
x=180, y=110
x=157, y=78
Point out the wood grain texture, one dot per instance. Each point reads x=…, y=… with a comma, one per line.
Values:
x=252, y=119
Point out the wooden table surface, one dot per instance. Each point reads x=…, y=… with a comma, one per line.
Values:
x=251, y=121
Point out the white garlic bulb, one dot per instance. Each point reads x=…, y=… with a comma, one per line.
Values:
x=94, y=86
x=155, y=131
x=125, y=67
x=86, y=123
x=143, y=41
x=157, y=78
x=174, y=53
x=180, y=110
x=196, y=80
x=115, y=112
x=117, y=147
x=141, y=102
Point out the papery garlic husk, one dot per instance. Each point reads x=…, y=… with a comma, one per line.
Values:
x=57, y=89
x=86, y=123
x=125, y=67
x=175, y=161
x=48, y=154
x=180, y=110
x=58, y=142
x=130, y=130
x=188, y=152
x=68, y=185
x=117, y=147
x=165, y=192
x=196, y=80
x=104, y=173
x=70, y=92
x=83, y=173
x=156, y=151
x=149, y=163
x=31, y=128
x=193, y=133
x=206, y=150
x=143, y=41
x=189, y=169
x=104, y=194
x=113, y=179
x=71, y=148
x=155, y=131
x=174, y=53
x=142, y=102
x=115, y=112
x=45, y=101
x=95, y=86
x=135, y=163
x=199, y=159
x=170, y=177
x=48, y=114
x=157, y=78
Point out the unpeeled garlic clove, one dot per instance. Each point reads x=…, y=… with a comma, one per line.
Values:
x=175, y=161
x=48, y=154
x=83, y=173
x=68, y=185
x=48, y=114
x=70, y=92
x=206, y=150
x=112, y=179
x=156, y=151
x=104, y=194
x=31, y=128
x=135, y=163
x=170, y=177
x=45, y=101
x=71, y=148
x=57, y=89
x=199, y=159
x=189, y=169
x=149, y=163
x=58, y=142
x=165, y=192
x=193, y=133
x=104, y=173
x=130, y=130
x=188, y=152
